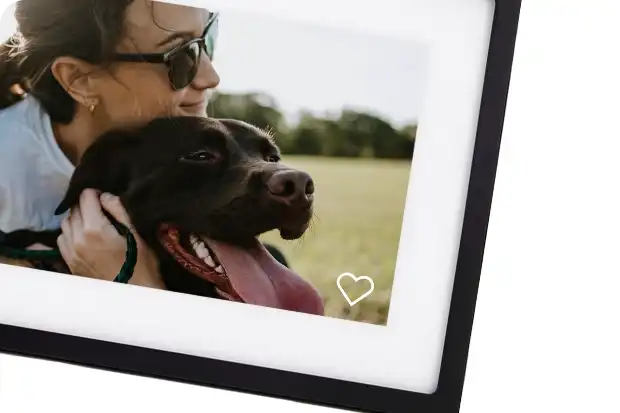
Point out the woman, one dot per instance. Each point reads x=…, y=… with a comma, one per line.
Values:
x=87, y=66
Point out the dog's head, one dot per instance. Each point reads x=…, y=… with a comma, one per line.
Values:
x=204, y=189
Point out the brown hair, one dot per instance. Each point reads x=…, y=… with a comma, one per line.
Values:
x=47, y=29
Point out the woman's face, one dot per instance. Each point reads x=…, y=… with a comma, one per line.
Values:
x=142, y=91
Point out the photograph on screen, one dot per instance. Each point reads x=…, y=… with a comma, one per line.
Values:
x=228, y=155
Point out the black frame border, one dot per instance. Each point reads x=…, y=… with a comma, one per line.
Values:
x=318, y=390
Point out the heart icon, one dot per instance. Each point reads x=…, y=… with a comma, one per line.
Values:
x=356, y=279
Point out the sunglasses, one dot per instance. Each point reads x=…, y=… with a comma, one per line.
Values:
x=182, y=61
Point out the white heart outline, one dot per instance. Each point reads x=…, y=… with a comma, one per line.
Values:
x=356, y=279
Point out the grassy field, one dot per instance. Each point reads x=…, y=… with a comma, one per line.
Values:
x=359, y=208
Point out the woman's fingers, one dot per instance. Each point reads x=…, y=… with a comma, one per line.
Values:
x=113, y=205
x=67, y=230
x=91, y=214
x=65, y=239
x=65, y=250
x=74, y=223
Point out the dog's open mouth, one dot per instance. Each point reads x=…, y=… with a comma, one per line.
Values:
x=250, y=274
x=193, y=253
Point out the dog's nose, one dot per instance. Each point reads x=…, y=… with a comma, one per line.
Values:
x=290, y=186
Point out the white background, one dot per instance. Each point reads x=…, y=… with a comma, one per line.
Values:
x=545, y=336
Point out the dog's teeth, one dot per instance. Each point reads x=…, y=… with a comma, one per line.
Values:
x=207, y=253
x=193, y=239
x=201, y=250
x=209, y=261
x=219, y=269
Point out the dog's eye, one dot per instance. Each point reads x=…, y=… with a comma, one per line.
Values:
x=272, y=159
x=202, y=155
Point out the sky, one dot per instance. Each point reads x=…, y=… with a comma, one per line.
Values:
x=313, y=67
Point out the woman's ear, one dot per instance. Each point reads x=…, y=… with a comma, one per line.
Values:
x=77, y=78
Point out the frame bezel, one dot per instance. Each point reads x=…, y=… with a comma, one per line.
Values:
x=329, y=392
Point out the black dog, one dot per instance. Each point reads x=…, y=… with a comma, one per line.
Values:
x=200, y=191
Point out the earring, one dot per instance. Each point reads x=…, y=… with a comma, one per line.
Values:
x=91, y=106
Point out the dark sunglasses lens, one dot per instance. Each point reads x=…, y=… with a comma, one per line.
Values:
x=184, y=65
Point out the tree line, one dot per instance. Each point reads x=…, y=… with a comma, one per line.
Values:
x=349, y=133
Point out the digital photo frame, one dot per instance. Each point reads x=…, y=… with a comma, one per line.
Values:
x=388, y=116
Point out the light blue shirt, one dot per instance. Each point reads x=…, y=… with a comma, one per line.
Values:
x=34, y=172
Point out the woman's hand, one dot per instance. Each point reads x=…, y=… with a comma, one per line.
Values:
x=92, y=247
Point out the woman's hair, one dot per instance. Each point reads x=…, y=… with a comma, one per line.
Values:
x=88, y=30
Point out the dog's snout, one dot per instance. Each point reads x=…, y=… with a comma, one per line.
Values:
x=290, y=186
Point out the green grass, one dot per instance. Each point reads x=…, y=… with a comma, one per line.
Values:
x=358, y=206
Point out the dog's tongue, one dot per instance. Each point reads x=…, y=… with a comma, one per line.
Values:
x=260, y=279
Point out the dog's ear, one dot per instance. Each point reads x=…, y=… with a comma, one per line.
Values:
x=105, y=167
